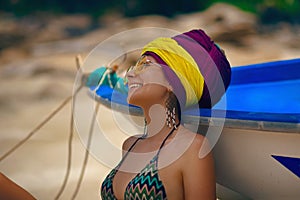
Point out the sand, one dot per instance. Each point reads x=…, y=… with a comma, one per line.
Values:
x=30, y=88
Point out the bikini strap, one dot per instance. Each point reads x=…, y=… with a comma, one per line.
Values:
x=130, y=148
x=164, y=141
x=133, y=144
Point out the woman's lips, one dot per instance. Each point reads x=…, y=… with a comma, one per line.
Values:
x=135, y=85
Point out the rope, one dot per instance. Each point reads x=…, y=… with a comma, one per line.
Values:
x=85, y=161
x=71, y=134
x=38, y=127
x=86, y=152
x=69, y=156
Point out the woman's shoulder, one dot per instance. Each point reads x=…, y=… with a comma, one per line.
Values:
x=197, y=142
x=197, y=138
x=129, y=142
x=197, y=168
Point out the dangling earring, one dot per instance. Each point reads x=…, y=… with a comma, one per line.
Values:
x=171, y=118
x=168, y=118
x=145, y=130
x=170, y=113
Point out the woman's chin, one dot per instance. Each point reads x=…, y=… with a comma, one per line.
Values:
x=134, y=94
x=136, y=100
x=132, y=99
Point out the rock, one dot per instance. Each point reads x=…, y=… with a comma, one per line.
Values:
x=10, y=54
x=149, y=21
x=223, y=22
x=19, y=35
x=63, y=27
x=113, y=20
x=187, y=22
x=60, y=36
x=32, y=68
x=287, y=35
x=10, y=33
x=58, y=47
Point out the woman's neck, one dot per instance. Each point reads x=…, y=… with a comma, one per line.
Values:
x=155, y=118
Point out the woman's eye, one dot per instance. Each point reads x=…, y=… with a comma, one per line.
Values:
x=147, y=64
x=139, y=67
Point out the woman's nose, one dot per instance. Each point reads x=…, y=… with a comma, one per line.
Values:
x=130, y=74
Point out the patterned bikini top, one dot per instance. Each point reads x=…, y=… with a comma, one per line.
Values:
x=146, y=185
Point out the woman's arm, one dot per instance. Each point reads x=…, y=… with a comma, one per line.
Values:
x=198, y=174
x=11, y=191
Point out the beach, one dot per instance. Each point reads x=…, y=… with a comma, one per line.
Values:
x=36, y=80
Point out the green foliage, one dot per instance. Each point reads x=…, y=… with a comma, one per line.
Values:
x=270, y=11
x=26, y=7
x=163, y=7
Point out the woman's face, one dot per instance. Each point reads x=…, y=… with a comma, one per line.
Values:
x=146, y=83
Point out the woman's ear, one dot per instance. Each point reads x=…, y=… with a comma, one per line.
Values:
x=169, y=88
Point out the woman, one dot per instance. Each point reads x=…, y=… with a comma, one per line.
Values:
x=10, y=190
x=164, y=163
x=172, y=74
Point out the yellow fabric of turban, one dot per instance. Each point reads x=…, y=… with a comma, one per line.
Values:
x=182, y=63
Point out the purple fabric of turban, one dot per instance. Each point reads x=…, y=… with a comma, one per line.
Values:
x=212, y=64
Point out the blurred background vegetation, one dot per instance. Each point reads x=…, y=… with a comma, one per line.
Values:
x=268, y=11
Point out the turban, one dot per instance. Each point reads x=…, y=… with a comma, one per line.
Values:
x=196, y=68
